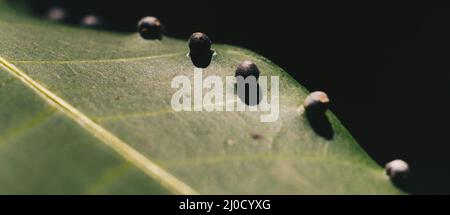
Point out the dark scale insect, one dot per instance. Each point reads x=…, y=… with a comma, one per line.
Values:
x=246, y=69
x=397, y=170
x=57, y=14
x=316, y=103
x=92, y=21
x=150, y=28
x=200, y=49
x=250, y=93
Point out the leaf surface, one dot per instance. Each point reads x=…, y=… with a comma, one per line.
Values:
x=86, y=111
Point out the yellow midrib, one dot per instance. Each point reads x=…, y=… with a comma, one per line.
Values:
x=96, y=61
x=140, y=161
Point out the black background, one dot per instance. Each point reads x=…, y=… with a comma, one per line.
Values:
x=279, y=204
x=384, y=64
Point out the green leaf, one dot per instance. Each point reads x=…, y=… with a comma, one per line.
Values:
x=86, y=111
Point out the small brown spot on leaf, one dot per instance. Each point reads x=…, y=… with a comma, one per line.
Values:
x=257, y=136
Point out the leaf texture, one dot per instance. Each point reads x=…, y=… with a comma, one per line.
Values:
x=86, y=111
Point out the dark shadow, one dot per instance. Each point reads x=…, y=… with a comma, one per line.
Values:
x=403, y=183
x=201, y=60
x=320, y=124
x=250, y=99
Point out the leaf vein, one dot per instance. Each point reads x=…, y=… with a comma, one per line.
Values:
x=123, y=149
x=117, y=60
